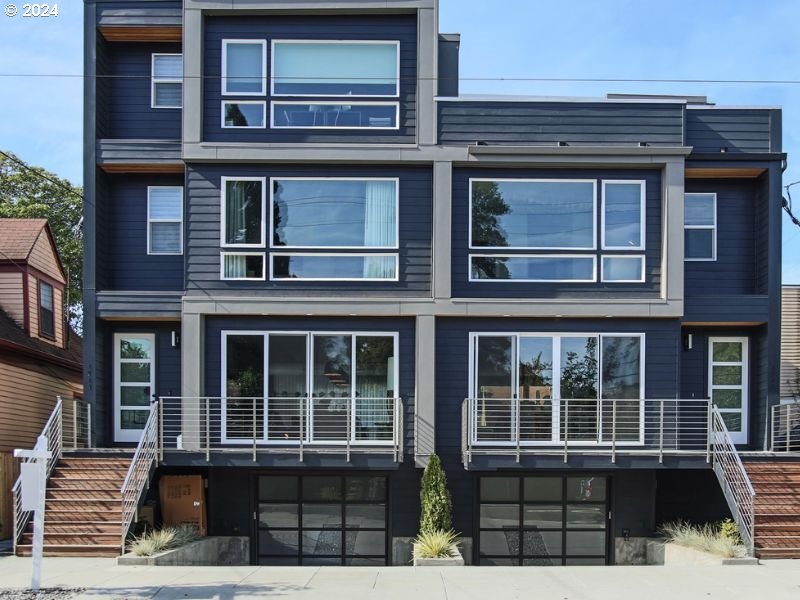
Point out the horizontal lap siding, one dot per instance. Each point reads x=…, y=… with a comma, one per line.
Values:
x=406, y=344
x=11, y=296
x=141, y=151
x=130, y=94
x=710, y=130
x=531, y=123
x=125, y=226
x=733, y=273
x=137, y=14
x=203, y=220
x=462, y=287
x=790, y=342
x=332, y=27
x=152, y=305
x=662, y=341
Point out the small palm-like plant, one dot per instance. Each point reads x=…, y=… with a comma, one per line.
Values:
x=436, y=543
x=706, y=538
x=158, y=540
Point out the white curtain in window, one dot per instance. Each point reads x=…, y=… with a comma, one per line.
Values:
x=235, y=266
x=236, y=204
x=380, y=227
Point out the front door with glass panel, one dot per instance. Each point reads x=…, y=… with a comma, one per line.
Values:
x=728, y=383
x=543, y=520
x=134, y=384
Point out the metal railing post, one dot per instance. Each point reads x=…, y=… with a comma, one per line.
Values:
x=709, y=428
x=74, y=422
x=613, y=431
x=350, y=426
x=660, y=432
x=772, y=412
x=517, y=413
x=89, y=425
x=161, y=430
x=395, y=429
x=302, y=431
x=788, y=427
x=566, y=430
x=208, y=429
x=471, y=407
x=255, y=428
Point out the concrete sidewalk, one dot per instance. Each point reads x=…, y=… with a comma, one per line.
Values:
x=102, y=578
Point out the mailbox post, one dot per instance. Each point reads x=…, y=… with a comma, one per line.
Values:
x=34, y=485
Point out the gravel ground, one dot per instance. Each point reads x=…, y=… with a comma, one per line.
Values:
x=43, y=594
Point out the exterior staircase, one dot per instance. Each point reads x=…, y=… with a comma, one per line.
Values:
x=83, y=507
x=777, y=507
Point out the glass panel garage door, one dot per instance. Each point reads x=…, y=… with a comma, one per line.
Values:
x=543, y=521
x=322, y=520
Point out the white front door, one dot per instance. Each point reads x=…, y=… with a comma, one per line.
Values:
x=134, y=383
x=728, y=384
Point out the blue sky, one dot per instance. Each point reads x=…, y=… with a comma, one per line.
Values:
x=41, y=117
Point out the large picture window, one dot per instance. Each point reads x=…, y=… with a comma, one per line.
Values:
x=243, y=219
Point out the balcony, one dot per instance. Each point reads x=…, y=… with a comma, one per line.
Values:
x=517, y=427
x=296, y=426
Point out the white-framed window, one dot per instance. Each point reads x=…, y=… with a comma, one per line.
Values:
x=336, y=68
x=244, y=67
x=533, y=268
x=165, y=220
x=333, y=266
x=623, y=217
x=243, y=219
x=47, y=310
x=350, y=115
x=242, y=266
x=244, y=114
x=700, y=227
x=622, y=269
x=167, y=81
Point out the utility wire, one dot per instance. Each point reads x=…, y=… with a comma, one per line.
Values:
x=41, y=175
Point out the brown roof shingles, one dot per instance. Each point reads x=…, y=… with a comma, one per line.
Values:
x=18, y=236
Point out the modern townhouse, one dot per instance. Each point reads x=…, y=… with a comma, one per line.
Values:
x=311, y=264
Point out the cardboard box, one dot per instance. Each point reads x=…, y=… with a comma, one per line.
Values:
x=183, y=501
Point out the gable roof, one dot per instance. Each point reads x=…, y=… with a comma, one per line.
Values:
x=13, y=336
x=18, y=237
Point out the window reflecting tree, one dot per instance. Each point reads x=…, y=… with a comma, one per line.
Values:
x=488, y=206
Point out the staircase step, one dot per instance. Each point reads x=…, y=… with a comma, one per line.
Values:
x=116, y=475
x=87, y=494
x=95, y=551
x=82, y=516
x=789, y=468
x=785, y=526
x=66, y=483
x=76, y=539
x=79, y=527
x=83, y=461
x=778, y=553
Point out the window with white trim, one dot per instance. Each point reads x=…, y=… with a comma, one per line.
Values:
x=244, y=114
x=47, y=311
x=167, y=81
x=242, y=266
x=243, y=212
x=165, y=220
x=244, y=67
x=700, y=227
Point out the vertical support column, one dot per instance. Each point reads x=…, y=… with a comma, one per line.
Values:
x=192, y=75
x=427, y=72
x=425, y=396
x=774, y=293
x=192, y=351
x=442, y=229
x=672, y=280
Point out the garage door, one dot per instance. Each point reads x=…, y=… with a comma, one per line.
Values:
x=322, y=520
x=536, y=520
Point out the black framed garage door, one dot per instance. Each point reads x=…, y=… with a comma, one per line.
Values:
x=322, y=520
x=543, y=520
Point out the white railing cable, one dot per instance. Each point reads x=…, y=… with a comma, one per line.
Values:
x=733, y=479
x=138, y=476
x=785, y=427
x=53, y=431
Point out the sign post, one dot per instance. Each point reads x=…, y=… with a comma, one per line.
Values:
x=34, y=486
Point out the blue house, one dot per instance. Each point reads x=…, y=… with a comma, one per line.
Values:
x=311, y=263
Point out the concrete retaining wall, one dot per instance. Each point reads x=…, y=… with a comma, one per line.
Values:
x=206, y=552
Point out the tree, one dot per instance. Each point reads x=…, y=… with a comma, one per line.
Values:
x=28, y=192
x=488, y=206
x=437, y=506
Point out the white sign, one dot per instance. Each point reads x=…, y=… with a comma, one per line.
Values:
x=31, y=472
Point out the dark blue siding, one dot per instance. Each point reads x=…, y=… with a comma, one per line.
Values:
x=203, y=220
x=733, y=273
x=452, y=381
x=737, y=130
x=546, y=123
x=138, y=14
x=124, y=223
x=130, y=115
x=484, y=289
x=331, y=27
x=406, y=343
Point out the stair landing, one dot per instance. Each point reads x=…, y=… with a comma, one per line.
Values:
x=777, y=510
x=83, y=508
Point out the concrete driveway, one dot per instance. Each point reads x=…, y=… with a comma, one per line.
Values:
x=102, y=578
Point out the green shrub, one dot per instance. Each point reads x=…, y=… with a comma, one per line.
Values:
x=436, y=544
x=158, y=540
x=730, y=530
x=437, y=506
x=706, y=538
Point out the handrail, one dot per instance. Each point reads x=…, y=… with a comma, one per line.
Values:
x=733, y=479
x=138, y=476
x=785, y=427
x=53, y=431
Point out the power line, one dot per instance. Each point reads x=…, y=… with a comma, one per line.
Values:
x=41, y=175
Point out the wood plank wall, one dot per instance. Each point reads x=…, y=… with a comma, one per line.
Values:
x=790, y=339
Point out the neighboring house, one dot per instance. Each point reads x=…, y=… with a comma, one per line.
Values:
x=40, y=358
x=325, y=265
x=790, y=342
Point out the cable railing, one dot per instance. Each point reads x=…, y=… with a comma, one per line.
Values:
x=296, y=425
x=520, y=426
x=53, y=432
x=733, y=479
x=77, y=424
x=138, y=476
x=785, y=427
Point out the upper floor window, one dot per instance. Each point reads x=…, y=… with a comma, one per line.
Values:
x=623, y=215
x=700, y=227
x=243, y=222
x=165, y=220
x=244, y=67
x=336, y=68
x=167, y=81
x=47, y=321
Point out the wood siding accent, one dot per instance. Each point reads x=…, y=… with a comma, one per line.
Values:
x=790, y=341
x=12, y=299
x=142, y=34
x=329, y=27
x=9, y=471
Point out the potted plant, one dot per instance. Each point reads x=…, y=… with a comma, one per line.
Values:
x=437, y=543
